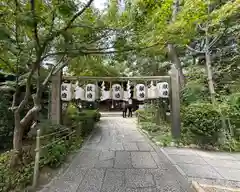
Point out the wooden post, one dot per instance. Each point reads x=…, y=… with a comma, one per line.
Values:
x=37, y=157
x=175, y=103
x=56, y=103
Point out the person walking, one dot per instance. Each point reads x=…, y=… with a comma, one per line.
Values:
x=124, y=109
x=130, y=106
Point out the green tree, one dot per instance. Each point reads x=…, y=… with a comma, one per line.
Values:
x=34, y=32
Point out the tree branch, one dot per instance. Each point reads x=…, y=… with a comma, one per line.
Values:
x=27, y=92
x=201, y=27
x=32, y=2
x=214, y=41
x=61, y=66
x=95, y=51
x=193, y=50
x=51, y=72
x=78, y=14
x=57, y=33
x=8, y=65
x=16, y=25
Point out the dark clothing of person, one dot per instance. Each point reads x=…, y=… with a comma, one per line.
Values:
x=129, y=110
x=124, y=109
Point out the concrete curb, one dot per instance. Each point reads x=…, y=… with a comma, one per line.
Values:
x=173, y=163
x=197, y=187
x=194, y=185
x=163, y=151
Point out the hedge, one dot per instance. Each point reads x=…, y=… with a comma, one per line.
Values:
x=53, y=156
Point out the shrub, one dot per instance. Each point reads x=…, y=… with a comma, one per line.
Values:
x=17, y=179
x=6, y=122
x=194, y=91
x=52, y=156
x=85, y=119
x=202, y=121
x=233, y=102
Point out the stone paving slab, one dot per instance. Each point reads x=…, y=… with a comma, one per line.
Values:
x=123, y=160
x=143, y=160
x=202, y=171
x=219, y=168
x=130, y=146
x=114, y=180
x=118, y=158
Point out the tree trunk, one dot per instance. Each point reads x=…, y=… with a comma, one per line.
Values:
x=176, y=61
x=172, y=49
x=209, y=67
x=209, y=75
x=17, y=140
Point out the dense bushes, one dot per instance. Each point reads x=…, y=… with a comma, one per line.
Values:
x=202, y=121
x=206, y=125
x=217, y=125
x=6, y=122
x=85, y=119
x=52, y=156
x=160, y=133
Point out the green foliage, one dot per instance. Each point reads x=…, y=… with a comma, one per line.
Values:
x=85, y=119
x=203, y=121
x=52, y=156
x=14, y=179
x=216, y=125
x=194, y=91
x=233, y=115
x=6, y=122
x=160, y=133
x=55, y=154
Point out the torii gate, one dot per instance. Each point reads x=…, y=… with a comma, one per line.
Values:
x=172, y=80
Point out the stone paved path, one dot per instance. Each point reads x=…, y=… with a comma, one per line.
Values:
x=220, y=169
x=117, y=158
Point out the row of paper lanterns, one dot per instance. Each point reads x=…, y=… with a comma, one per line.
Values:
x=91, y=92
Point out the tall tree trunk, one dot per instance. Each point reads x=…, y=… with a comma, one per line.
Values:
x=172, y=49
x=176, y=61
x=208, y=58
x=17, y=140
x=210, y=76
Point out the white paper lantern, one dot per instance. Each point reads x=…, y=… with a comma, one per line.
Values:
x=90, y=92
x=140, y=92
x=117, y=92
x=163, y=89
x=126, y=95
x=90, y=96
x=90, y=88
x=79, y=93
x=105, y=95
x=152, y=91
x=66, y=91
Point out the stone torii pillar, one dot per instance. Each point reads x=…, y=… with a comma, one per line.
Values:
x=55, y=99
